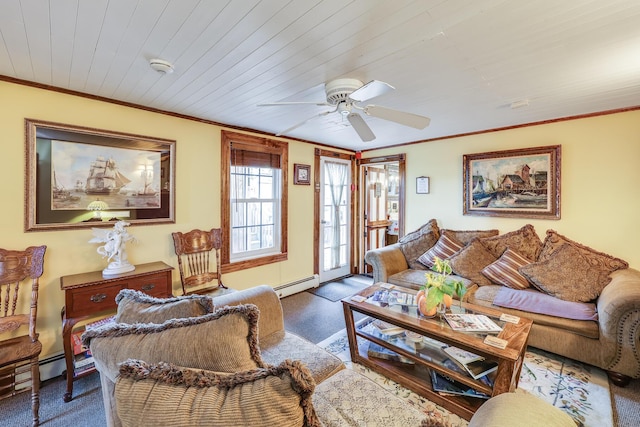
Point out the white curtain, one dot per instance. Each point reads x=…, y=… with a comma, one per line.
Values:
x=336, y=177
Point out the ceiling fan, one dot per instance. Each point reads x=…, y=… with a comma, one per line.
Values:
x=345, y=96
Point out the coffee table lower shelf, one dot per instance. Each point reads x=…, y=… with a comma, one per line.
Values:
x=417, y=379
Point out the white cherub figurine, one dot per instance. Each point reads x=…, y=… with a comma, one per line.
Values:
x=114, y=248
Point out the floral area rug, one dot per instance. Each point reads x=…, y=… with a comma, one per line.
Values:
x=582, y=391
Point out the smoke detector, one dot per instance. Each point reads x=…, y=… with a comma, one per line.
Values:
x=161, y=66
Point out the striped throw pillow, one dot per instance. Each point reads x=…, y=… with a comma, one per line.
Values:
x=505, y=270
x=443, y=249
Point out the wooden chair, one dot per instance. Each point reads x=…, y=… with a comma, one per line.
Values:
x=19, y=354
x=198, y=254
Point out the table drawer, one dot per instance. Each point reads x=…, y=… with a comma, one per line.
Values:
x=154, y=284
x=91, y=300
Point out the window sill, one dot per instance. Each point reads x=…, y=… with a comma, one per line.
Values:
x=255, y=262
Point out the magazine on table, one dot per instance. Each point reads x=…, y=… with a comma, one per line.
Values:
x=471, y=323
x=444, y=385
x=385, y=297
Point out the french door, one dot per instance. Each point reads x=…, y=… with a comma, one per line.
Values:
x=335, y=218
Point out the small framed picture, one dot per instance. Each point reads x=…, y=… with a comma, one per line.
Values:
x=301, y=174
x=422, y=185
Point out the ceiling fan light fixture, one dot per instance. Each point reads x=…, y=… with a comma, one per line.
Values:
x=161, y=66
x=344, y=108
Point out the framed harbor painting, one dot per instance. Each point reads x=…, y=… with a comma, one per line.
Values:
x=83, y=177
x=523, y=183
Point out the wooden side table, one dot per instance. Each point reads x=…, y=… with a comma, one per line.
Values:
x=90, y=294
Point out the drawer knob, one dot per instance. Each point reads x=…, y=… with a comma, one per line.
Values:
x=148, y=287
x=98, y=297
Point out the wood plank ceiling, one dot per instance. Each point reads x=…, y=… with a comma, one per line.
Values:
x=460, y=62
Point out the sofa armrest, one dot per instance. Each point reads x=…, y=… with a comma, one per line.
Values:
x=619, y=317
x=386, y=261
x=266, y=299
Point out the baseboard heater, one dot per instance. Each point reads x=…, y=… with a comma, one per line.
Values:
x=297, y=286
x=52, y=366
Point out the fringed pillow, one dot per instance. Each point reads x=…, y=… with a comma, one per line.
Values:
x=470, y=260
x=165, y=394
x=224, y=341
x=138, y=307
x=598, y=261
x=418, y=242
x=524, y=241
x=466, y=236
x=567, y=275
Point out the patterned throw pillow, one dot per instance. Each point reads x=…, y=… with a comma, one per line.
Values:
x=418, y=242
x=138, y=307
x=470, y=260
x=567, y=275
x=505, y=270
x=599, y=261
x=224, y=341
x=525, y=241
x=466, y=236
x=445, y=247
x=165, y=394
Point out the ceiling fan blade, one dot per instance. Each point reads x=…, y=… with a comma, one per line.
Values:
x=297, y=125
x=271, y=104
x=404, y=118
x=361, y=127
x=371, y=90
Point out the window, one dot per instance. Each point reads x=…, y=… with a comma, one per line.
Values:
x=254, y=201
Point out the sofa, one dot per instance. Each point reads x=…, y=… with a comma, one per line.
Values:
x=585, y=305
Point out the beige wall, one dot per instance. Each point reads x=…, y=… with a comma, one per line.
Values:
x=197, y=197
x=600, y=194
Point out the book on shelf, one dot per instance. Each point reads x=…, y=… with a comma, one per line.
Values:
x=83, y=362
x=448, y=386
x=480, y=368
x=473, y=364
x=467, y=322
x=387, y=328
x=76, y=341
x=462, y=356
x=381, y=352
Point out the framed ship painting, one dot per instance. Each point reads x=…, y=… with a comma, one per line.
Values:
x=522, y=183
x=84, y=177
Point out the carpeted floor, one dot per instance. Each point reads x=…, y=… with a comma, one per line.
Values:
x=341, y=288
x=86, y=408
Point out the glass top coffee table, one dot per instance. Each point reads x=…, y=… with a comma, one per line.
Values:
x=401, y=344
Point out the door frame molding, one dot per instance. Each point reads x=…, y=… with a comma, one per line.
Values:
x=358, y=220
x=316, y=206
